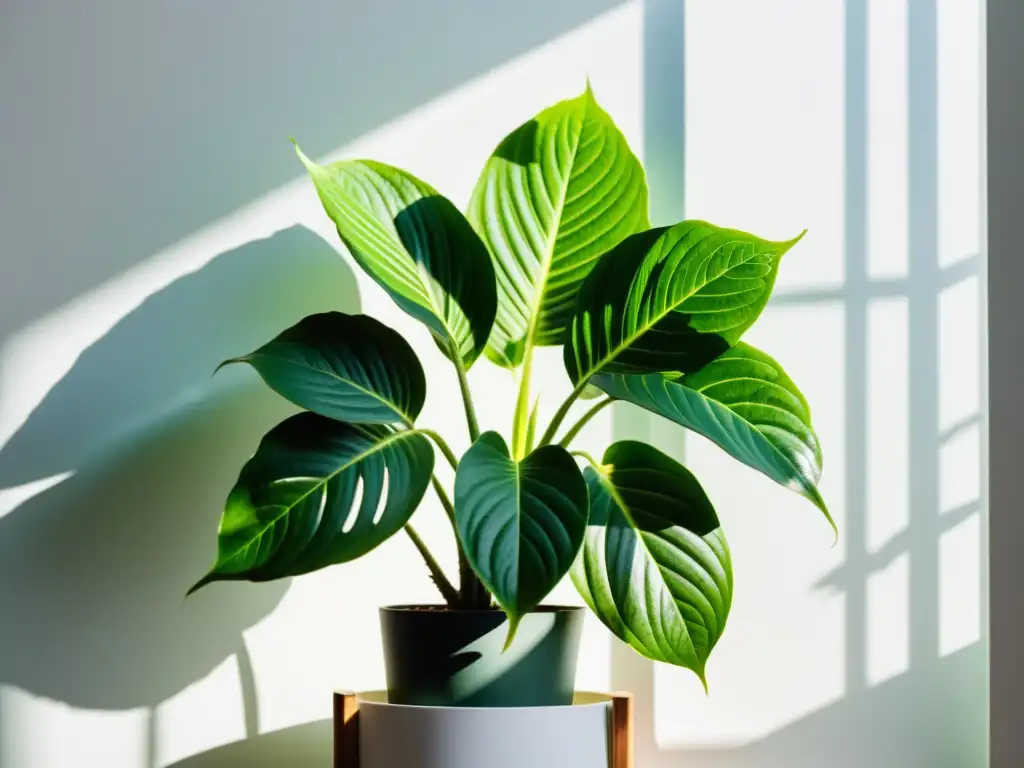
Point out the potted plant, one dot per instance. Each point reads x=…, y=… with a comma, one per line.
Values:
x=556, y=249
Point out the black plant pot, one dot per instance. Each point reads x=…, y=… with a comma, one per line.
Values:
x=439, y=657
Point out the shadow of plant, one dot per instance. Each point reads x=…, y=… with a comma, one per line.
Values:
x=95, y=568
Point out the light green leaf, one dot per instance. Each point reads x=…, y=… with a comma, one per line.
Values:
x=346, y=367
x=670, y=299
x=416, y=245
x=520, y=523
x=318, y=492
x=558, y=192
x=744, y=402
x=655, y=566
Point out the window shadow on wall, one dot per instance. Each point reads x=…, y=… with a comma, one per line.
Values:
x=933, y=712
x=95, y=568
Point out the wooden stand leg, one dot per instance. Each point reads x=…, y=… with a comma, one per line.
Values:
x=622, y=730
x=346, y=730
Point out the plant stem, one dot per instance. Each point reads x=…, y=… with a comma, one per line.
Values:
x=590, y=460
x=445, y=449
x=522, y=411
x=472, y=593
x=467, y=397
x=445, y=501
x=563, y=410
x=575, y=429
x=448, y=592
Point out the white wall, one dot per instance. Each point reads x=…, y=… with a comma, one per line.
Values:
x=155, y=222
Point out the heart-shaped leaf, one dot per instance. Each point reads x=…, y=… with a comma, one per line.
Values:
x=346, y=367
x=558, y=192
x=318, y=492
x=416, y=245
x=670, y=299
x=744, y=402
x=655, y=565
x=520, y=523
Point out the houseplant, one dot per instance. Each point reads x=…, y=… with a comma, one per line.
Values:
x=556, y=249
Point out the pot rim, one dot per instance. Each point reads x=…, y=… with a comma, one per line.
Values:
x=436, y=608
x=581, y=700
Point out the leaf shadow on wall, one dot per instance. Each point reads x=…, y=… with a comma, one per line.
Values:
x=94, y=569
x=159, y=359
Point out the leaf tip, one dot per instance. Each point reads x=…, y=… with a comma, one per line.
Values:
x=230, y=361
x=199, y=585
x=309, y=164
x=819, y=502
x=787, y=245
x=513, y=625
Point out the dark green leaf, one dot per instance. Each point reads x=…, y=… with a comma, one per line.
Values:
x=670, y=299
x=655, y=565
x=744, y=402
x=520, y=523
x=318, y=492
x=558, y=192
x=346, y=367
x=416, y=245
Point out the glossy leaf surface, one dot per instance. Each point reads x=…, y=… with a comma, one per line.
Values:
x=670, y=299
x=558, y=192
x=744, y=402
x=520, y=523
x=346, y=367
x=655, y=565
x=416, y=245
x=319, y=492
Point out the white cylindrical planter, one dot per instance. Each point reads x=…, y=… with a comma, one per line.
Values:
x=594, y=732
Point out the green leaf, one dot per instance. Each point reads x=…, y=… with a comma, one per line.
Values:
x=744, y=402
x=520, y=523
x=655, y=566
x=558, y=192
x=416, y=245
x=346, y=367
x=318, y=492
x=670, y=299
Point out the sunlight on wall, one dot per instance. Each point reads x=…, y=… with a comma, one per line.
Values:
x=960, y=586
x=888, y=433
x=44, y=733
x=187, y=724
x=778, y=175
x=959, y=354
x=959, y=129
x=775, y=177
x=888, y=629
x=888, y=206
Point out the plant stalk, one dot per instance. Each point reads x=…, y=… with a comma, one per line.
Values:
x=442, y=496
x=575, y=429
x=589, y=459
x=467, y=396
x=472, y=592
x=443, y=445
x=562, y=412
x=521, y=416
x=448, y=592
